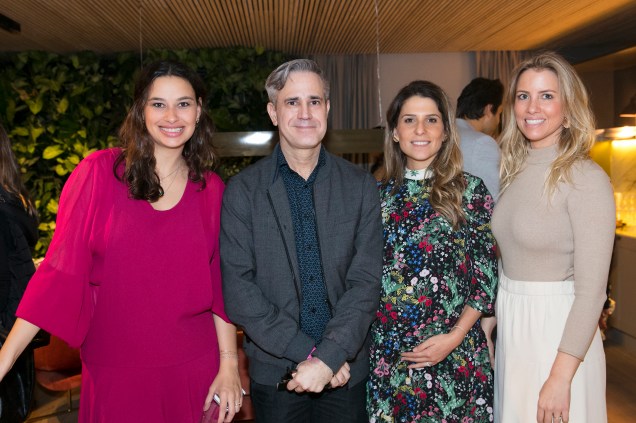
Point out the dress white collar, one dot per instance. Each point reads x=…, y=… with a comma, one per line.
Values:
x=418, y=175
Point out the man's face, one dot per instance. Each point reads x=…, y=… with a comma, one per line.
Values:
x=300, y=112
x=491, y=121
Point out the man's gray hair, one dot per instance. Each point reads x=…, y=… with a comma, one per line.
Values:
x=278, y=78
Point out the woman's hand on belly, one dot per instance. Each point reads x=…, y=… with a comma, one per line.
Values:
x=434, y=350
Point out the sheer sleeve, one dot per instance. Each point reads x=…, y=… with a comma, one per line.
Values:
x=59, y=297
x=212, y=213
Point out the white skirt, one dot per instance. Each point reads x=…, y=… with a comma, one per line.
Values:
x=531, y=317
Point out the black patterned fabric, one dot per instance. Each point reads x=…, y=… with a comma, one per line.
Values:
x=314, y=311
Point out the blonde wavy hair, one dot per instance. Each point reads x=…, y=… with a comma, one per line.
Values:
x=448, y=178
x=576, y=138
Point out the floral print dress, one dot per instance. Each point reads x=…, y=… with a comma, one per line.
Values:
x=430, y=273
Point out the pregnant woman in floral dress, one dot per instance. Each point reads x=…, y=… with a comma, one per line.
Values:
x=429, y=359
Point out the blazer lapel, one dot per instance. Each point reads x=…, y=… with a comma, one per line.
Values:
x=280, y=204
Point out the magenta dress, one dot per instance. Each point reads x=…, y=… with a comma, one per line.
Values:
x=136, y=289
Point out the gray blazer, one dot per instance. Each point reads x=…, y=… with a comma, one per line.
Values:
x=260, y=271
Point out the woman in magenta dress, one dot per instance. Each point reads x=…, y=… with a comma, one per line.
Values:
x=132, y=274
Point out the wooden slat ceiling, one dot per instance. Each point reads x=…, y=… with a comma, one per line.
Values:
x=300, y=27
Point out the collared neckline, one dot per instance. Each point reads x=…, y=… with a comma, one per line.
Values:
x=281, y=161
x=418, y=175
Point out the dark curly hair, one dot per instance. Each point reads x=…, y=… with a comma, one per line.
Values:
x=138, y=146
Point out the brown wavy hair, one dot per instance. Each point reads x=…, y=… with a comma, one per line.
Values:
x=448, y=178
x=577, y=136
x=138, y=146
x=10, y=177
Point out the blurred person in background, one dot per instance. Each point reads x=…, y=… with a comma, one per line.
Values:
x=18, y=236
x=478, y=114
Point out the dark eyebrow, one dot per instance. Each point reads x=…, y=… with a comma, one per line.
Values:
x=427, y=115
x=187, y=97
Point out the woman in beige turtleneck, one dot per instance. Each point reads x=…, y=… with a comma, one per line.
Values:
x=554, y=224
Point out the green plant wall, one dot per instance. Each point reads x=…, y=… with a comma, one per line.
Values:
x=58, y=109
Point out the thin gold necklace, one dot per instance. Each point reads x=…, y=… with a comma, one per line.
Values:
x=171, y=173
x=174, y=178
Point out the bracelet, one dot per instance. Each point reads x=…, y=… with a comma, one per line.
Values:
x=310, y=356
x=228, y=354
x=462, y=329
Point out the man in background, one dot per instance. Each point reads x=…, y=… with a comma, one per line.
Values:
x=301, y=257
x=478, y=113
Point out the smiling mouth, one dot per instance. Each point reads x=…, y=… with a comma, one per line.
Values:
x=534, y=121
x=172, y=130
x=420, y=143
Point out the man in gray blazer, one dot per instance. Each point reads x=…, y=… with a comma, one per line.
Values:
x=478, y=113
x=301, y=256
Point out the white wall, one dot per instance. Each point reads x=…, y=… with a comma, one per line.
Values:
x=451, y=71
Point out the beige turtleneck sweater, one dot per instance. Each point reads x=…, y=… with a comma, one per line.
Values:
x=569, y=238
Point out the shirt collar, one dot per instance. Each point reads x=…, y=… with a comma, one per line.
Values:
x=418, y=175
x=281, y=161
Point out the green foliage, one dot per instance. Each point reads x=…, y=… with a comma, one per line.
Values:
x=58, y=109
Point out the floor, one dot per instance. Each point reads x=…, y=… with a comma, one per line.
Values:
x=621, y=390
